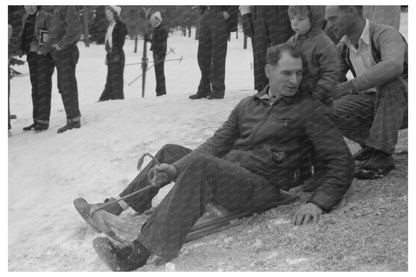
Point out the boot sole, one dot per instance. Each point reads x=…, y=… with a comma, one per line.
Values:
x=103, y=247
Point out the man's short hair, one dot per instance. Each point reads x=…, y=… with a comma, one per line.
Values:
x=299, y=11
x=274, y=53
x=358, y=9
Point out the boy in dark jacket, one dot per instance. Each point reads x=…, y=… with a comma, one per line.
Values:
x=241, y=167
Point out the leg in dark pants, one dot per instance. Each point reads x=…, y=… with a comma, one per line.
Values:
x=8, y=83
x=168, y=154
x=105, y=95
x=114, y=86
x=159, y=63
x=204, y=56
x=32, y=58
x=373, y=119
x=391, y=109
x=203, y=180
x=65, y=62
x=219, y=39
x=45, y=68
x=271, y=27
x=354, y=115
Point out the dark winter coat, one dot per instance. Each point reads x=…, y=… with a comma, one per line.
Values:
x=27, y=33
x=232, y=21
x=31, y=26
x=118, y=38
x=65, y=28
x=159, y=40
x=269, y=140
x=319, y=58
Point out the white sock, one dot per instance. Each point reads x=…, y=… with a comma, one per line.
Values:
x=123, y=203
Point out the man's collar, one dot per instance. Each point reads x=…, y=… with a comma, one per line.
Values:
x=266, y=95
x=365, y=36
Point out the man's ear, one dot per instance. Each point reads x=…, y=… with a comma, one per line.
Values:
x=267, y=70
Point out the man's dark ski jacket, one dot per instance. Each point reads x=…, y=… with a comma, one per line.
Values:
x=268, y=139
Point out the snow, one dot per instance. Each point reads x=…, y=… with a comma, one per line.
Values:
x=48, y=170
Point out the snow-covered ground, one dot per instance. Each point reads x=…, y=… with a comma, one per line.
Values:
x=48, y=170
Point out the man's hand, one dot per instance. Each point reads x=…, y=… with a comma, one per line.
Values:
x=164, y=173
x=306, y=213
x=343, y=89
x=226, y=15
x=248, y=28
x=57, y=47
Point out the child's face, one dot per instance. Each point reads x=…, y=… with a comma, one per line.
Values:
x=300, y=24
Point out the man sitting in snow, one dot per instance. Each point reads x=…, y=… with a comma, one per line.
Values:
x=241, y=167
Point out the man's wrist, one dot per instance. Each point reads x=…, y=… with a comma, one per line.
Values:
x=317, y=205
x=174, y=171
x=351, y=88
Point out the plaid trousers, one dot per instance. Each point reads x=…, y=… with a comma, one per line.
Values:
x=203, y=179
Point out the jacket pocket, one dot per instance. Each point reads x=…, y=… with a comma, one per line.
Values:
x=278, y=156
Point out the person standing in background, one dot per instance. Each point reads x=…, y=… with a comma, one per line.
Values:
x=28, y=47
x=267, y=26
x=43, y=69
x=64, y=34
x=215, y=26
x=159, y=41
x=115, y=59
